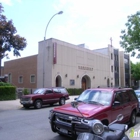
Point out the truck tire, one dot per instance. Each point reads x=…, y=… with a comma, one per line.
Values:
x=38, y=104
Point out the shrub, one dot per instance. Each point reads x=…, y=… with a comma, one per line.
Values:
x=25, y=91
x=7, y=93
x=5, y=84
x=74, y=91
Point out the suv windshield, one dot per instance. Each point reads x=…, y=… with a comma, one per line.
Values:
x=39, y=91
x=96, y=97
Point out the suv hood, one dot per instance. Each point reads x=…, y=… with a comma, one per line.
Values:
x=86, y=109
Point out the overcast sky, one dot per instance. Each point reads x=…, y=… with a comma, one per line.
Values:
x=92, y=22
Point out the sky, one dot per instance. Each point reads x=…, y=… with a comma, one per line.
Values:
x=92, y=22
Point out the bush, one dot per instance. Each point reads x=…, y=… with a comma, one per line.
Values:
x=5, y=84
x=74, y=91
x=25, y=91
x=7, y=93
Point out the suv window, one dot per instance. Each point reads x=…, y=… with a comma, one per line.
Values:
x=63, y=90
x=118, y=97
x=125, y=97
x=48, y=91
x=56, y=90
x=132, y=95
x=122, y=97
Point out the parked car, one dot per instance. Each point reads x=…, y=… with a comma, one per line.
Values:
x=43, y=96
x=138, y=96
x=103, y=104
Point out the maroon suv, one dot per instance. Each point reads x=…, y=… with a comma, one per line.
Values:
x=43, y=96
x=102, y=104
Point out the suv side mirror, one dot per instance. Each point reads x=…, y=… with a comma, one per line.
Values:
x=75, y=98
x=74, y=104
x=116, y=103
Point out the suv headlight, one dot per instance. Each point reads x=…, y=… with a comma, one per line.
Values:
x=97, y=127
x=50, y=114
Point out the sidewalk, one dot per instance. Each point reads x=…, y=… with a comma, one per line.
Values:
x=15, y=104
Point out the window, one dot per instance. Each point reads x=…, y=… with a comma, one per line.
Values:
x=111, y=68
x=49, y=91
x=118, y=97
x=125, y=97
x=72, y=82
x=111, y=56
x=56, y=90
x=20, y=79
x=126, y=70
x=115, y=69
x=116, y=57
x=63, y=90
x=32, y=79
x=132, y=95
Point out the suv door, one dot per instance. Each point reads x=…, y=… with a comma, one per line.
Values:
x=117, y=106
x=126, y=105
x=48, y=96
x=57, y=94
x=134, y=100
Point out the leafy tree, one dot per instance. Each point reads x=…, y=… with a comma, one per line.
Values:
x=9, y=39
x=135, y=71
x=130, y=38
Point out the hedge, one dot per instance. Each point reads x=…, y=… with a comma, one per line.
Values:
x=7, y=91
x=5, y=84
x=74, y=91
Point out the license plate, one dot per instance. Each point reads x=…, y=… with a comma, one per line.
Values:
x=64, y=131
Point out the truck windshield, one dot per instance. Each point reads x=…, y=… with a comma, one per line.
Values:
x=96, y=97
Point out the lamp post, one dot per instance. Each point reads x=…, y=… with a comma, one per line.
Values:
x=60, y=12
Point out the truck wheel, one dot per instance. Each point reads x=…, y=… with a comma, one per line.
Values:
x=133, y=118
x=25, y=106
x=61, y=101
x=38, y=104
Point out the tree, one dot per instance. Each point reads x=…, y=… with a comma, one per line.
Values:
x=9, y=39
x=130, y=38
x=135, y=71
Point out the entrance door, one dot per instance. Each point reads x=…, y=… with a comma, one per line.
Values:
x=58, y=81
x=83, y=83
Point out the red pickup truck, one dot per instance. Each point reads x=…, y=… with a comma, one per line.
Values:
x=102, y=104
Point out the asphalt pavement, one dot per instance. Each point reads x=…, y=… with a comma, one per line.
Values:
x=133, y=133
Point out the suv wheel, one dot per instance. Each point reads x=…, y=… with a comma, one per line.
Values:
x=38, y=104
x=61, y=101
x=25, y=106
x=133, y=118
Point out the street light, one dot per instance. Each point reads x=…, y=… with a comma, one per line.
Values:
x=60, y=12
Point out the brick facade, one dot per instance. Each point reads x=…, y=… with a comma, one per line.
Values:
x=22, y=67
